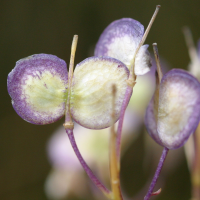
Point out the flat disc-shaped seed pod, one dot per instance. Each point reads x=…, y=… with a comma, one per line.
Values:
x=37, y=86
x=178, y=109
x=120, y=40
x=91, y=94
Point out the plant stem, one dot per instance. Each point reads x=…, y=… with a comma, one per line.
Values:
x=89, y=172
x=127, y=97
x=114, y=164
x=157, y=173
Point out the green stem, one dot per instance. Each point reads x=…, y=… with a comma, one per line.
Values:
x=114, y=164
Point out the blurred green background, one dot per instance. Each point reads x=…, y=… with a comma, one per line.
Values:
x=31, y=26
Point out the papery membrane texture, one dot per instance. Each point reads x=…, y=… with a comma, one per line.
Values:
x=91, y=97
x=178, y=109
x=37, y=86
x=120, y=40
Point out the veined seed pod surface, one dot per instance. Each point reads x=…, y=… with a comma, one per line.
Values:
x=178, y=109
x=37, y=86
x=120, y=40
x=91, y=97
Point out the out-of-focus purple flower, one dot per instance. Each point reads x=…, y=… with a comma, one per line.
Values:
x=94, y=146
x=66, y=167
x=62, y=183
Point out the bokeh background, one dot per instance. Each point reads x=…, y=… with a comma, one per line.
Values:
x=39, y=26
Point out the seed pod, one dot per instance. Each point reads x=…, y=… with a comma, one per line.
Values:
x=178, y=109
x=37, y=86
x=120, y=40
x=91, y=91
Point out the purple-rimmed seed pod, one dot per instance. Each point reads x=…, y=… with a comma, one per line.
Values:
x=37, y=86
x=178, y=109
x=120, y=40
x=91, y=97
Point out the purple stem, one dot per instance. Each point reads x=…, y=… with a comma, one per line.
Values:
x=157, y=173
x=128, y=94
x=84, y=164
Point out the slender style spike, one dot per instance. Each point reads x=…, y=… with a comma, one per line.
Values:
x=159, y=76
x=68, y=120
x=159, y=69
x=149, y=26
x=132, y=75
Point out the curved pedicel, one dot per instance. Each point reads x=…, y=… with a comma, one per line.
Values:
x=37, y=86
x=91, y=98
x=120, y=40
x=178, y=110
